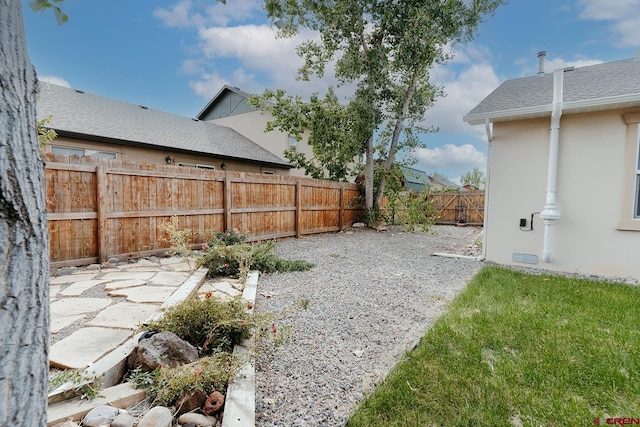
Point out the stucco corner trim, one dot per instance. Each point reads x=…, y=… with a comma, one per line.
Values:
x=631, y=118
x=628, y=225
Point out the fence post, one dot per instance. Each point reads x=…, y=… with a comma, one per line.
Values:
x=341, y=210
x=298, y=208
x=227, y=202
x=101, y=194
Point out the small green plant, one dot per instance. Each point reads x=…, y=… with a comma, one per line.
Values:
x=166, y=385
x=179, y=239
x=229, y=238
x=419, y=211
x=211, y=325
x=142, y=379
x=304, y=303
x=222, y=260
x=85, y=385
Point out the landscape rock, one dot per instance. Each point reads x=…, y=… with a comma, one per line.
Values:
x=214, y=403
x=158, y=416
x=123, y=420
x=190, y=401
x=99, y=416
x=164, y=348
x=197, y=419
x=67, y=424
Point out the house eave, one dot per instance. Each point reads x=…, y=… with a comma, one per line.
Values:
x=115, y=141
x=570, y=107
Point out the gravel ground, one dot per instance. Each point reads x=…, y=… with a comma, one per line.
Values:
x=371, y=296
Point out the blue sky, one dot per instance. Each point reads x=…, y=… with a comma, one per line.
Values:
x=175, y=55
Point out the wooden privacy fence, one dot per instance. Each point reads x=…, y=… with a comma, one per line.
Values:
x=457, y=208
x=102, y=208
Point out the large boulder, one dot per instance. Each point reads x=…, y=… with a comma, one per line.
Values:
x=162, y=349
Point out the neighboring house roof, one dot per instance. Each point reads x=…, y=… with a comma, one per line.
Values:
x=414, y=179
x=592, y=88
x=84, y=115
x=443, y=182
x=229, y=101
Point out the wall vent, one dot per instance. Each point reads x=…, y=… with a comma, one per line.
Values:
x=524, y=258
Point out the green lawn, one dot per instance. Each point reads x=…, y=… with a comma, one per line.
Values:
x=519, y=350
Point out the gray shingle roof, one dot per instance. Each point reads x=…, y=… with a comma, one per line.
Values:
x=414, y=179
x=83, y=114
x=595, y=87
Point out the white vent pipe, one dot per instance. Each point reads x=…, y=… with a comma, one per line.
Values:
x=550, y=214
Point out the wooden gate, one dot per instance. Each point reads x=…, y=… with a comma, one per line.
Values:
x=456, y=208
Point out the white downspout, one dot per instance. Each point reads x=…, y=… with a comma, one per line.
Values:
x=550, y=214
x=487, y=126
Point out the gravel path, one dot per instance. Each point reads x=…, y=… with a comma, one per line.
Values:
x=370, y=297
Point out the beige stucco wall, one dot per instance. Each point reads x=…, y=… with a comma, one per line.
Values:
x=145, y=155
x=591, y=182
x=252, y=126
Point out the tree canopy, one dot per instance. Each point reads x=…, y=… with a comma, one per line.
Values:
x=474, y=177
x=331, y=128
x=386, y=48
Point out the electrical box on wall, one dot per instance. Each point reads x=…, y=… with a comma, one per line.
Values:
x=523, y=222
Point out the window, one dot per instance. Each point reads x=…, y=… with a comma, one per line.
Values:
x=636, y=211
x=293, y=142
x=630, y=213
x=82, y=152
x=196, y=165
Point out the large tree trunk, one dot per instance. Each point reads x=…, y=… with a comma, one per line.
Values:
x=24, y=242
x=368, y=174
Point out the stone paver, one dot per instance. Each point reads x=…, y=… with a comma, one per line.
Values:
x=85, y=346
x=124, y=275
x=182, y=266
x=227, y=288
x=145, y=294
x=72, y=278
x=169, y=278
x=59, y=323
x=53, y=290
x=65, y=307
x=77, y=288
x=124, y=315
x=119, y=284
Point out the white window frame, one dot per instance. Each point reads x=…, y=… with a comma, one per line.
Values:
x=629, y=218
x=196, y=165
x=87, y=152
x=636, y=204
x=293, y=142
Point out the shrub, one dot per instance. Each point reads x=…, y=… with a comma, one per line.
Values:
x=166, y=385
x=222, y=260
x=236, y=260
x=228, y=238
x=209, y=324
x=264, y=260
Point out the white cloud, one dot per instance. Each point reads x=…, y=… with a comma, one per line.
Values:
x=555, y=63
x=464, y=90
x=202, y=13
x=253, y=57
x=54, y=80
x=530, y=64
x=624, y=16
x=179, y=15
x=454, y=159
